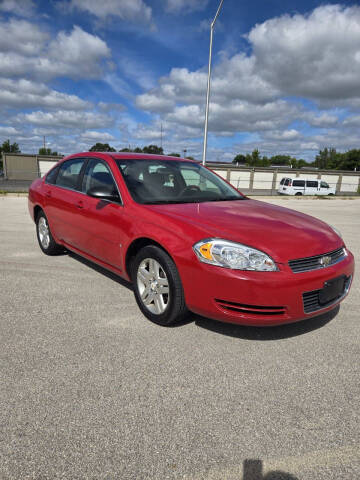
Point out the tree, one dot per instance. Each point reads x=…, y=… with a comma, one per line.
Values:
x=8, y=147
x=301, y=163
x=153, y=149
x=174, y=154
x=281, y=160
x=254, y=159
x=138, y=150
x=47, y=151
x=350, y=160
x=239, y=159
x=102, y=147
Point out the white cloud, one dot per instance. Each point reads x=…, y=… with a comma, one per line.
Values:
x=283, y=135
x=185, y=6
x=323, y=120
x=315, y=56
x=22, y=37
x=65, y=119
x=152, y=102
x=27, y=94
x=8, y=130
x=133, y=10
x=353, y=121
x=25, y=51
x=23, y=8
x=96, y=136
x=78, y=54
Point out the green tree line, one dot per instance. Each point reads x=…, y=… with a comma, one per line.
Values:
x=153, y=149
x=327, y=159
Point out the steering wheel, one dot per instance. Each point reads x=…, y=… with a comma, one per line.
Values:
x=189, y=188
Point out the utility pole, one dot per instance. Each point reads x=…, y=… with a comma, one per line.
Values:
x=161, y=135
x=208, y=83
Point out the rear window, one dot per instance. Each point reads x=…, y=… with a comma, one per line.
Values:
x=298, y=183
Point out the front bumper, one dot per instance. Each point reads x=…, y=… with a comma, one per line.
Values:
x=258, y=298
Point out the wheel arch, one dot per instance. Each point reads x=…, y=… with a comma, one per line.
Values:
x=37, y=210
x=137, y=245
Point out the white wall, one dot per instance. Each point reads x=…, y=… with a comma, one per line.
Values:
x=240, y=179
x=349, y=184
x=263, y=180
x=44, y=166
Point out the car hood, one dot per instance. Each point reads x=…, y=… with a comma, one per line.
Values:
x=282, y=233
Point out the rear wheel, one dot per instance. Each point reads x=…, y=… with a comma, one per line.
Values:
x=157, y=286
x=45, y=239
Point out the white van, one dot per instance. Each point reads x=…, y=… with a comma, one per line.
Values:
x=299, y=186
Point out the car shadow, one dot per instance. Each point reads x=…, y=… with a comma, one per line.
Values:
x=99, y=269
x=253, y=470
x=267, y=333
x=229, y=329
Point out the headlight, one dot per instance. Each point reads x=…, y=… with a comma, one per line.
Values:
x=336, y=230
x=233, y=255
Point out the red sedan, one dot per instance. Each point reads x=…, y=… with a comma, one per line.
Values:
x=190, y=241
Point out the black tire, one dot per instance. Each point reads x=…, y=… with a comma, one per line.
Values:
x=48, y=246
x=297, y=194
x=174, y=305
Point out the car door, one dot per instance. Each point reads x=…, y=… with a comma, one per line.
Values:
x=298, y=186
x=102, y=222
x=63, y=200
x=312, y=187
x=324, y=188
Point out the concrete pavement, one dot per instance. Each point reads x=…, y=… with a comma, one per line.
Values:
x=92, y=390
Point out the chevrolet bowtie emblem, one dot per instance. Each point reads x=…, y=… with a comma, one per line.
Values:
x=325, y=261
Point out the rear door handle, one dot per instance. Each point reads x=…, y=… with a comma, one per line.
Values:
x=80, y=204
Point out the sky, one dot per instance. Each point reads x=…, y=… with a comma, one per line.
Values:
x=285, y=78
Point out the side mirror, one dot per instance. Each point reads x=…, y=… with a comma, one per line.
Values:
x=103, y=193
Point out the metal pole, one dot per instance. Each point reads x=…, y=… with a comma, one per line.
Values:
x=208, y=84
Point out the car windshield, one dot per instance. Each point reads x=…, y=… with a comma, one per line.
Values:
x=172, y=181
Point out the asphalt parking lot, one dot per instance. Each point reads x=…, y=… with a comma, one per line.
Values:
x=89, y=389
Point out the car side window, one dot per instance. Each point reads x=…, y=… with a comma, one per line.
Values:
x=298, y=183
x=97, y=174
x=69, y=172
x=51, y=176
x=312, y=183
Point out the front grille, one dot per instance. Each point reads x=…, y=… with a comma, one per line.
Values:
x=249, y=309
x=313, y=263
x=311, y=300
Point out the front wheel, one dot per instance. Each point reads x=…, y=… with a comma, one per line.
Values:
x=298, y=194
x=45, y=239
x=157, y=286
